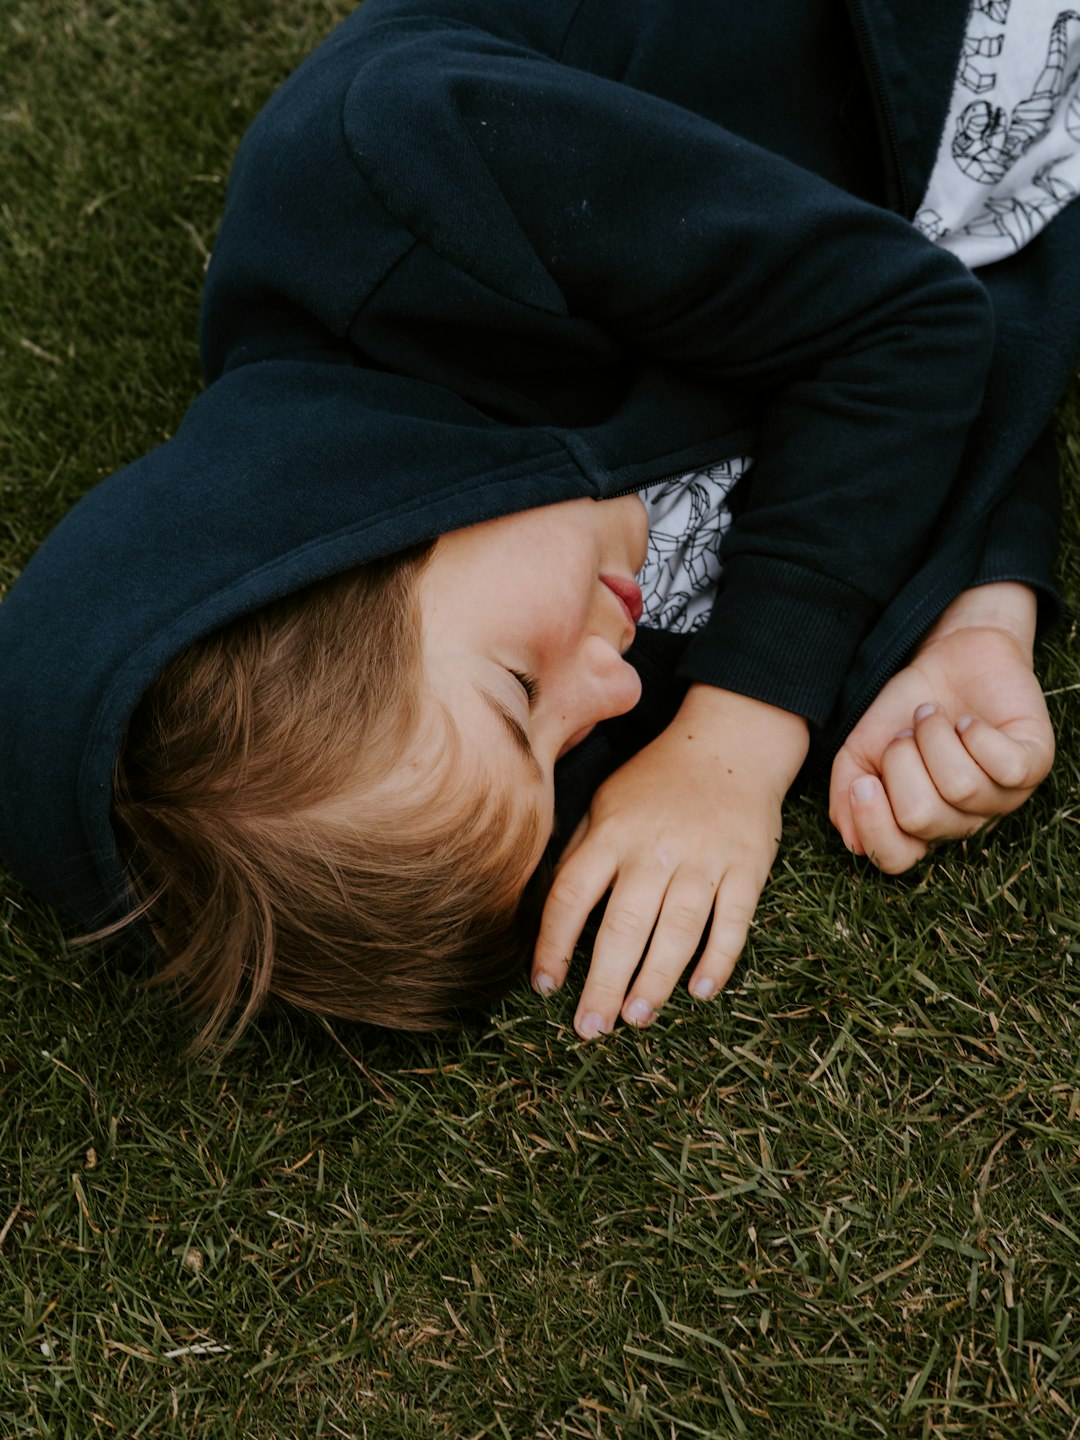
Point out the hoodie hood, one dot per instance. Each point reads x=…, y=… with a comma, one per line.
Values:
x=280, y=474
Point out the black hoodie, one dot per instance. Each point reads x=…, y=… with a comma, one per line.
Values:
x=484, y=255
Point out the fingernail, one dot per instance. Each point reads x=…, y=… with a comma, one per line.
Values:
x=592, y=1025
x=639, y=1012
x=904, y=734
x=963, y=723
x=865, y=788
x=923, y=711
x=703, y=988
x=544, y=984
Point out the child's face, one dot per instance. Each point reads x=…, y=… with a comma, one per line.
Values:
x=526, y=595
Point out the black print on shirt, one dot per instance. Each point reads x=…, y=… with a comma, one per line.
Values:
x=1021, y=218
x=972, y=75
x=988, y=142
x=680, y=575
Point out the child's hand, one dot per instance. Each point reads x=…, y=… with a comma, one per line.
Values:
x=960, y=735
x=683, y=834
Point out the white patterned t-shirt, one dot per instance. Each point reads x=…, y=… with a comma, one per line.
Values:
x=688, y=517
x=1009, y=158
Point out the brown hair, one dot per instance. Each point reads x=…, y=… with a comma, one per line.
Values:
x=275, y=846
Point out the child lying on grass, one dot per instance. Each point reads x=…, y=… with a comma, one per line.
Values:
x=526, y=324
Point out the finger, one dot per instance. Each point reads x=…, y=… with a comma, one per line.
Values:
x=577, y=835
x=629, y=917
x=882, y=839
x=845, y=771
x=955, y=774
x=917, y=807
x=740, y=891
x=1014, y=763
x=684, y=918
x=579, y=885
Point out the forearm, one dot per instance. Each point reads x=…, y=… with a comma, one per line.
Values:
x=771, y=744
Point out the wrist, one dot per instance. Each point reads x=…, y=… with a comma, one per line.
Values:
x=1002, y=605
x=749, y=733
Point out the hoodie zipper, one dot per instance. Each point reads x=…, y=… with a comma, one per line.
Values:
x=646, y=484
x=668, y=476
x=857, y=15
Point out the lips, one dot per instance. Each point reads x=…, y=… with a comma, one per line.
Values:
x=626, y=591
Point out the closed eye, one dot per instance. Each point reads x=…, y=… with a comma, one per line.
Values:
x=529, y=684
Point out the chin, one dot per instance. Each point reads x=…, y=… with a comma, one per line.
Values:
x=575, y=739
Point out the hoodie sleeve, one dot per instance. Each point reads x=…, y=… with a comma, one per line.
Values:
x=564, y=227
x=1022, y=537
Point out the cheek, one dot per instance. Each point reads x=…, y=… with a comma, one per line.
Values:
x=556, y=627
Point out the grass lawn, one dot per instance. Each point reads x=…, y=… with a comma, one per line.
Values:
x=841, y=1201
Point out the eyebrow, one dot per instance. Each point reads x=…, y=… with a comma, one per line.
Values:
x=516, y=731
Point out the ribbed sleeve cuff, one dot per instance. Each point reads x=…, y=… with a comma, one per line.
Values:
x=1022, y=546
x=781, y=634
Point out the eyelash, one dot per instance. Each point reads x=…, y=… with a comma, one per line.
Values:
x=528, y=683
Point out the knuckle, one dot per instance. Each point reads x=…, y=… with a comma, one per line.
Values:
x=684, y=920
x=916, y=819
x=565, y=894
x=624, y=923
x=960, y=793
x=724, y=948
x=1041, y=769
x=550, y=953
x=1013, y=773
x=1009, y=801
x=739, y=912
x=897, y=864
